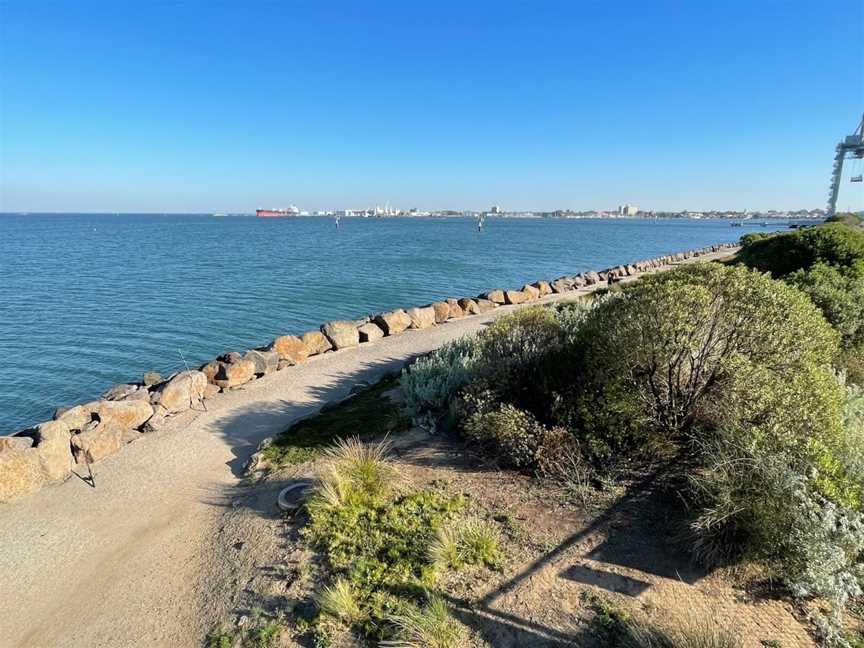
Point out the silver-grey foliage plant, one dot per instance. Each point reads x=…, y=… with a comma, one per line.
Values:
x=430, y=383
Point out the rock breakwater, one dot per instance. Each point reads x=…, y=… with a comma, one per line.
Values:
x=90, y=432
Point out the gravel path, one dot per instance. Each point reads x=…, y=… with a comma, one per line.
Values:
x=119, y=564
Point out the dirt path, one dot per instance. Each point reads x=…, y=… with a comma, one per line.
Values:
x=120, y=564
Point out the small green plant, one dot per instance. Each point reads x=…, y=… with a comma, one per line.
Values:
x=373, y=537
x=338, y=600
x=609, y=623
x=511, y=434
x=471, y=543
x=693, y=632
x=259, y=631
x=428, y=627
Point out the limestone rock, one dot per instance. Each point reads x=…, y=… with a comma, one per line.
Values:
x=127, y=413
x=485, y=305
x=591, y=278
x=342, y=334
x=455, y=309
x=152, y=378
x=75, y=417
x=515, y=296
x=370, y=332
x=393, y=322
x=118, y=392
x=543, y=287
x=495, y=296
x=442, y=311
x=182, y=391
x=53, y=449
x=421, y=318
x=142, y=394
x=16, y=443
x=211, y=390
x=531, y=291
x=160, y=416
x=469, y=306
x=316, y=342
x=20, y=473
x=99, y=442
x=265, y=361
x=230, y=357
x=290, y=348
x=561, y=285
x=210, y=370
x=233, y=374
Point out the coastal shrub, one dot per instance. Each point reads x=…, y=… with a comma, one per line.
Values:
x=373, y=538
x=506, y=432
x=839, y=294
x=430, y=383
x=833, y=244
x=516, y=357
x=847, y=218
x=650, y=359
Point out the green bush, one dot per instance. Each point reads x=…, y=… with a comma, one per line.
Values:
x=848, y=218
x=650, y=359
x=430, y=383
x=506, y=432
x=839, y=294
x=782, y=254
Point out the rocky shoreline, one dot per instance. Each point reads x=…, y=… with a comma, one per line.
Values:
x=89, y=432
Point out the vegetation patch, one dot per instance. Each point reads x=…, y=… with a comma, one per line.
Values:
x=379, y=544
x=369, y=413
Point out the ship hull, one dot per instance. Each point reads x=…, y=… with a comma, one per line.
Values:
x=273, y=213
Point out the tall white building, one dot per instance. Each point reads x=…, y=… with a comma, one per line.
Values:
x=628, y=210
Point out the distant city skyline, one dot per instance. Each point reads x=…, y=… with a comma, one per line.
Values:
x=206, y=107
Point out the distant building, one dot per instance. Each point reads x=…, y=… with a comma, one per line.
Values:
x=495, y=209
x=628, y=210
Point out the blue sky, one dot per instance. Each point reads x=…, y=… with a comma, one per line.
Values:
x=229, y=106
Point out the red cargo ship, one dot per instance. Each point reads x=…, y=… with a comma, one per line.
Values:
x=276, y=213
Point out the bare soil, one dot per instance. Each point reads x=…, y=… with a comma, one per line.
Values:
x=622, y=545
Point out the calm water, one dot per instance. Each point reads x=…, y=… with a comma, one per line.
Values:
x=87, y=301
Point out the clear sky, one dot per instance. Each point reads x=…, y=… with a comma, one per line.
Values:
x=229, y=106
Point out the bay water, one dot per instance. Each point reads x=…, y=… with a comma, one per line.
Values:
x=88, y=300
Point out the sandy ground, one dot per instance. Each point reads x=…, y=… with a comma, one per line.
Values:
x=121, y=564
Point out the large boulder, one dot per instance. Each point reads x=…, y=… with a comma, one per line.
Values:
x=75, y=417
x=561, y=285
x=98, y=442
x=442, y=311
x=290, y=348
x=495, y=296
x=342, y=334
x=421, y=317
x=119, y=392
x=160, y=417
x=393, y=322
x=455, y=309
x=210, y=370
x=316, y=342
x=543, y=287
x=53, y=449
x=152, y=378
x=370, y=332
x=591, y=278
x=181, y=392
x=20, y=472
x=126, y=413
x=265, y=362
x=16, y=443
x=469, y=306
x=530, y=291
x=515, y=296
x=485, y=305
x=234, y=374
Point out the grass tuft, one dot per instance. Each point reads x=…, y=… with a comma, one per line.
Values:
x=339, y=601
x=472, y=543
x=429, y=627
